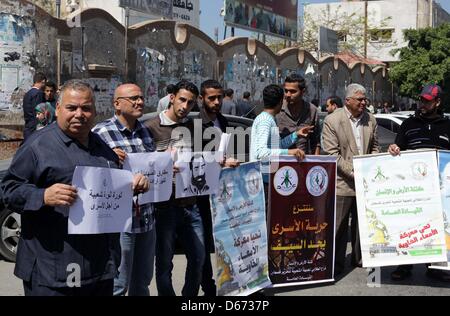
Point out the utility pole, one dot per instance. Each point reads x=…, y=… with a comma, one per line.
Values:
x=127, y=24
x=365, y=27
x=431, y=14
x=58, y=9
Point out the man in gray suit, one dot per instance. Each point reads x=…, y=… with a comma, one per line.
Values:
x=349, y=131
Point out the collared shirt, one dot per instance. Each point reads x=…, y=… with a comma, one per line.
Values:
x=288, y=125
x=47, y=158
x=357, y=129
x=137, y=141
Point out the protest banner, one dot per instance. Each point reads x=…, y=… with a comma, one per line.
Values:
x=444, y=172
x=158, y=168
x=301, y=221
x=399, y=209
x=240, y=231
x=104, y=203
x=199, y=174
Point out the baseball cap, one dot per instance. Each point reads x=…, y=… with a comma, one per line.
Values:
x=431, y=92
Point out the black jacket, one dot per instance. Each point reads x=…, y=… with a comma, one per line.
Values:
x=47, y=158
x=32, y=98
x=417, y=132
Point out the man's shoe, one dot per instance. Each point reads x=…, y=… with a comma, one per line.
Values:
x=438, y=275
x=400, y=274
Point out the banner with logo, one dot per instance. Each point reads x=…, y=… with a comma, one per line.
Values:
x=240, y=231
x=275, y=18
x=399, y=209
x=302, y=202
x=444, y=172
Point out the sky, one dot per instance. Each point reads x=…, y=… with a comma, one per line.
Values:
x=210, y=16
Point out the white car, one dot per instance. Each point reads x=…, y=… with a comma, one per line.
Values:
x=391, y=121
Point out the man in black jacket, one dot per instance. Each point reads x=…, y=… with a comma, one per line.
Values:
x=38, y=186
x=32, y=98
x=213, y=125
x=428, y=128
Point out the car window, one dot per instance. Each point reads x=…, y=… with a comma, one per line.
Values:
x=386, y=123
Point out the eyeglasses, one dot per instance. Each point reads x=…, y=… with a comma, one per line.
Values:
x=359, y=99
x=133, y=98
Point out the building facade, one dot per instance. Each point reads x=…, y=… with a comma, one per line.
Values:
x=386, y=22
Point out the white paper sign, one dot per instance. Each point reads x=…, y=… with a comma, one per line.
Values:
x=224, y=142
x=105, y=200
x=199, y=174
x=158, y=167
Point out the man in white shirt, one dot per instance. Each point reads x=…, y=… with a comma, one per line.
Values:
x=350, y=131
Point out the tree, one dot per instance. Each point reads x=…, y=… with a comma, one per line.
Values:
x=349, y=26
x=425, y=60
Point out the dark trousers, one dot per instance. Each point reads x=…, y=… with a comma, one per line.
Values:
x=208, y=284
x=100, y=288
x=346, y=206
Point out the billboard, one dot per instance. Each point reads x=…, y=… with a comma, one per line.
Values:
x=275, y=18
x=187, y=12
x=328, y=40
x=161, y=8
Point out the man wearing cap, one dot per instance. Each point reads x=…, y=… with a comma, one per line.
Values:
x=428, y=128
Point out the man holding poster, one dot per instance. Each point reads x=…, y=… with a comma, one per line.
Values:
x=214, y=125
x=350, y=131
x=428, y=128
x=49, y=261
x=172, y=131
x=125, y=134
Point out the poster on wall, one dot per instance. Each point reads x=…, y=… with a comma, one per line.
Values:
x=275, y=18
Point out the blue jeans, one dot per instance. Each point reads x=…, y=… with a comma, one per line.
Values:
x=136, y=266
x=186, y=223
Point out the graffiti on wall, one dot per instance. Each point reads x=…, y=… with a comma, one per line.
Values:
x=104, y=94
x=310, y=72
x=17, y=40
x=158, y=69
x=247, y=74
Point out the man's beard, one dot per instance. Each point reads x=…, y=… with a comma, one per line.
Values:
x=199, y=182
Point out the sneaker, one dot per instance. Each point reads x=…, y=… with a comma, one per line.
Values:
x=438, y=275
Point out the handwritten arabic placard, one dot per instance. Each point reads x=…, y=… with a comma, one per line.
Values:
x=104, y=201
x=199, y=174
x=302, y=221
x=239, y=225
x=444, y=171
x=399, y=209
x=158, y=167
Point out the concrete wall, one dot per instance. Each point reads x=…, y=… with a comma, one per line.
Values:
x=159, y=53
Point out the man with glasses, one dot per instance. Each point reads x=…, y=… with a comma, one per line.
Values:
x=428, y=128
x=125, y=134
x=349, y=131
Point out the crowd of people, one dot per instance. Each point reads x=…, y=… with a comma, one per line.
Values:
x=61, y=134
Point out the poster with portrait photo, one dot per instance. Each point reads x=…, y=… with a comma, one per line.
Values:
x=199, y=174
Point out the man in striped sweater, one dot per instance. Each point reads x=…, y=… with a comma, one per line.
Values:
x=265, y=137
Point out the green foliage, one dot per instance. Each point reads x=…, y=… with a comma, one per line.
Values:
x=425, y=60
x=349, y=26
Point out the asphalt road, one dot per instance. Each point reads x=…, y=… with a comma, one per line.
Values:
x=353, y=283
